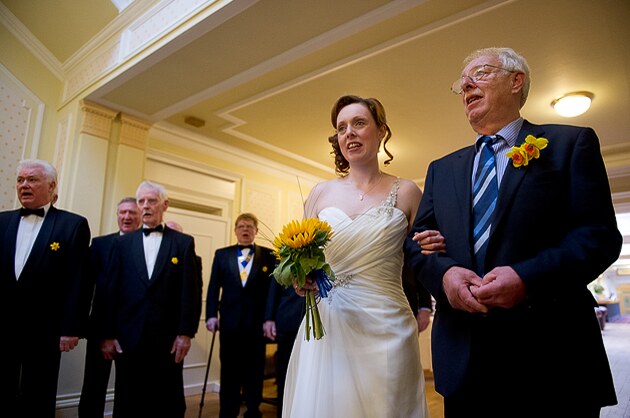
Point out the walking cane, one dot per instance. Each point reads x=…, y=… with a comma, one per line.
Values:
x=205, y=381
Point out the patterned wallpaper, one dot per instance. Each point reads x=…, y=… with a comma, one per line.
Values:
x=20, y=121
x=263, y=201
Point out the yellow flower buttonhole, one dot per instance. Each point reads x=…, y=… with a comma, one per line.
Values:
x=529, y=150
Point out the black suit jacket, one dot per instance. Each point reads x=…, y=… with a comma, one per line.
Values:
x=284, y=307
x=52, y=285
x=240, y=307
x=156, y=309
x=554, y=224
x=101, y=252
x=417, y=295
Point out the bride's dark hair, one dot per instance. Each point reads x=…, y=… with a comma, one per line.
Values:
x=378, y=113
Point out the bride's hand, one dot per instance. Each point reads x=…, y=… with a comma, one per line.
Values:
x=309, y=284
x=430, y=241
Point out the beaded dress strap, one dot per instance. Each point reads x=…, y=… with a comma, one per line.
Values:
x=390, y=202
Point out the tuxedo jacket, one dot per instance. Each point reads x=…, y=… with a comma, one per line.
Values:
x=153, y=309
x=239, y=307
x=554, y=224
x=285, y=308
x=51, y=289
x=417, y=295
x=101, y=252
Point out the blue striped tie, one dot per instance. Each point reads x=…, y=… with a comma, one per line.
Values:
x=485, y=192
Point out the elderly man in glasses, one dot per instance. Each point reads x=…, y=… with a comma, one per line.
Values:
x=527, y=215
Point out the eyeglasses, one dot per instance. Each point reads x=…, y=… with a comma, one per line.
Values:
x=475, y=75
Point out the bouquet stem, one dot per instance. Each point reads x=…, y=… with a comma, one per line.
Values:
x=312, y=316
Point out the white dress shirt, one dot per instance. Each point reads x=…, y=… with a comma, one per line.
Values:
x=27, y=234
x=151, y=244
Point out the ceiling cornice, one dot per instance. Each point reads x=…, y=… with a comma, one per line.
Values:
x=30, y=42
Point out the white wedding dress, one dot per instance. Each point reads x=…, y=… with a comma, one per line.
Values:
x=368, y=363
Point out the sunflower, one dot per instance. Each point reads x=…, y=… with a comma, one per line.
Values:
x=300, y=250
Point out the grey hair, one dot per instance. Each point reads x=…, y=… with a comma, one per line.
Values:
x=128, y=199
x=510, y=60
x=49, y=170
x=161, y=191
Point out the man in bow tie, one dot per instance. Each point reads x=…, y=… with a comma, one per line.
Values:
x=43, y=253
x=153, y=309
x=241, y=275
x=98, y=369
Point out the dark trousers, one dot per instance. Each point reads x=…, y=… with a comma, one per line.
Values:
x=95, y=381
x=499, y=385
x=242, y=357
x=28, y=378
x=285, y=347
x=493, y=407
x=149, y=383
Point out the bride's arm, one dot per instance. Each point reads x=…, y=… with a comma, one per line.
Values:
x=409, y=197
x=311, y=206
x=408, y=200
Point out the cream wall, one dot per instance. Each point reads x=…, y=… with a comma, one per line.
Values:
x=102, y=155
x=268, y=189
x=39, y=80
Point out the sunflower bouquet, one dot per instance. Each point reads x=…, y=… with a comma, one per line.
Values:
x=300, y=249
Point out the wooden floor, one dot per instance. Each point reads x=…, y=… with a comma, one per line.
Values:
x=211, y=403
x=616, y=339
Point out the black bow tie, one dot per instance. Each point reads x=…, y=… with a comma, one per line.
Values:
x=250, y=246
x=147, y=231
x=39, y=212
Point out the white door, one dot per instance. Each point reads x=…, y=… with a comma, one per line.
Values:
x=210, y=232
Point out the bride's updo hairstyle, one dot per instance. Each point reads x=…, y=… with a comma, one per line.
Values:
x=378, y=114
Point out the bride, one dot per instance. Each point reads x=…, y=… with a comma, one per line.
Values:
x=368, y=362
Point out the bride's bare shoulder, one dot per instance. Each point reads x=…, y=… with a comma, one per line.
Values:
x=409, y=195
x=409, y=186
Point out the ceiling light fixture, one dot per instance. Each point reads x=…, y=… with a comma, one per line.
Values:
x=194, y=121
x=573, y=104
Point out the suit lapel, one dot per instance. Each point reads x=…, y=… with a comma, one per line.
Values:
x=10, y=237
x=233, y=267
x=512, y=178
x=163, y=252
x=137, y=250
x=462, y=186
x=44, y=238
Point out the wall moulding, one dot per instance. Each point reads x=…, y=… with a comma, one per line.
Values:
x=97, y=120
x=134, y=132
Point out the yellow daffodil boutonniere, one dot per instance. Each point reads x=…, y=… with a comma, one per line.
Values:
x=300, y=249
x=529, y=150
x=174, y=260
x=55, y=246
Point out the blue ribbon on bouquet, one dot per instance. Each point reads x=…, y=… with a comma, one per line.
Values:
x=323, y=283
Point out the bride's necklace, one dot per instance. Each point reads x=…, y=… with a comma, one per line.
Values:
x=361, y=195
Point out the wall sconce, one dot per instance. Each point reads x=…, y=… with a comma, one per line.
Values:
x=573, y=104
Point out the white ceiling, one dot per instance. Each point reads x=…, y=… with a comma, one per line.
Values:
x=263, y=74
